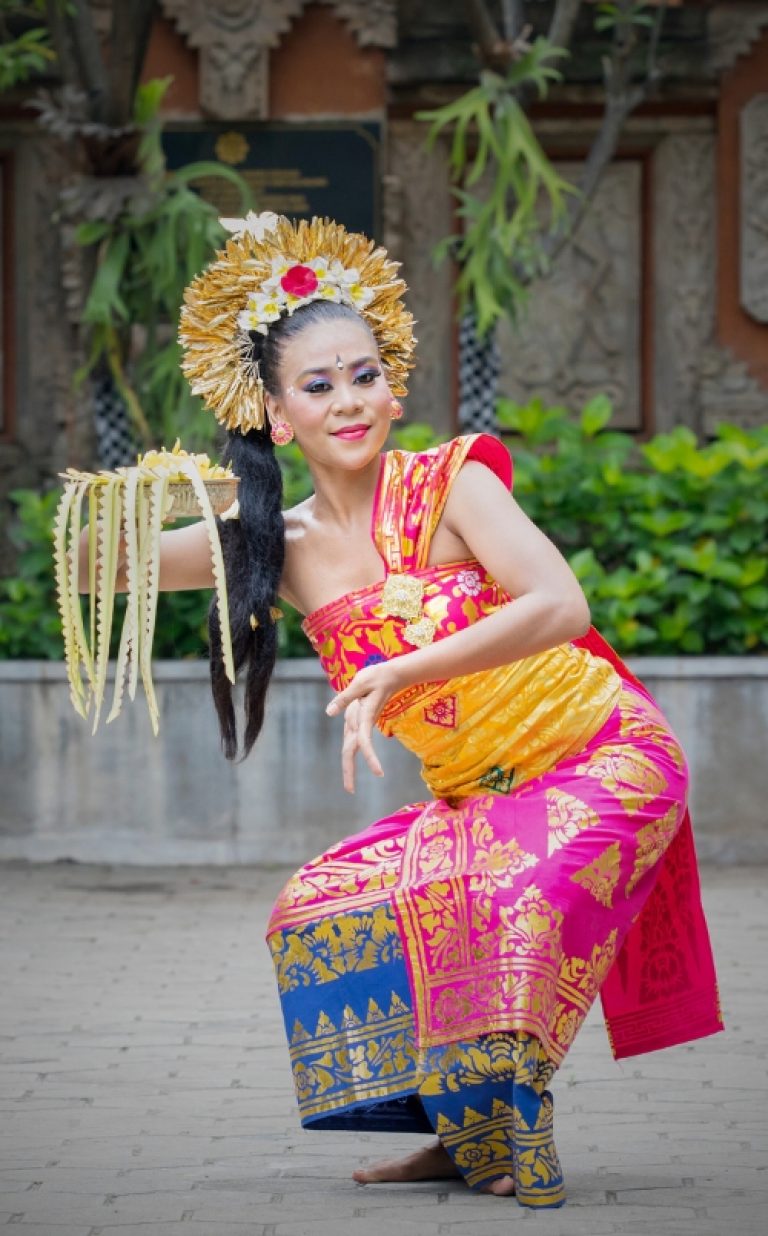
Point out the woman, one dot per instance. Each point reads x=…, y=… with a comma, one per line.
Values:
x=435, y=968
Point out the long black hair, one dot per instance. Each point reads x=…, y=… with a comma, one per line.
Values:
x=254, y=544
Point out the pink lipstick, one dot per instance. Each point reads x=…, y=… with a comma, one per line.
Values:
x=353, y=434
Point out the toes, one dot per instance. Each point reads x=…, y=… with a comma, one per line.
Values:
x=504, y=1187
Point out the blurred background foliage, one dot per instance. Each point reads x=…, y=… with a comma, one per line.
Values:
x=147, y=246
x=669, y=538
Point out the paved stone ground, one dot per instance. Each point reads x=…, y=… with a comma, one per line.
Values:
x=145, y=1088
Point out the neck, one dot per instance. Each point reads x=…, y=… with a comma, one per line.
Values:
x=343, y=497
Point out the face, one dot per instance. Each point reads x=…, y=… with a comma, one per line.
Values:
x=334, y=394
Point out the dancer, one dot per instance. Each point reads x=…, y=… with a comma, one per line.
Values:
x=435, y=968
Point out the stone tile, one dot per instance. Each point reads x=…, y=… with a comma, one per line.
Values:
x=148, y=1091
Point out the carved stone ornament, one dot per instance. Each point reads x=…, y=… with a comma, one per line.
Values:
x=698, y=382
x=754, y=207
x=234, y=38
x=580, y=332
x=733, y=29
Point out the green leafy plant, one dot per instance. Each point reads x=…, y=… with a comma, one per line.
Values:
x=609, y=16
x=502, y=178
x=146, y=253
x=23, y=52
x=29, y=626
x=669, y=538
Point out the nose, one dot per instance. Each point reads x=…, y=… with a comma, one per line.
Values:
x=347, y=398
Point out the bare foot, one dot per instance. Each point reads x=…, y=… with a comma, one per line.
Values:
x=503, y=1187
x=431, y=1163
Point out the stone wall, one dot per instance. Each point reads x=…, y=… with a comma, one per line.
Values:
x=124, y=796
x=660, y=300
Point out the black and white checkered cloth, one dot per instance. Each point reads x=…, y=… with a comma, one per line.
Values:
x=115, y=441
x=479, y=369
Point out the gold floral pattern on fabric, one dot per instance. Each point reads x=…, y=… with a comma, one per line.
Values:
x=532, y=928
x=506, y=1128
x=480, y=1146
x=450, y=1068
x=334, y=947
x=356, y=1058
x=356, y=879
x=495, y=863
x=631, y=776
x=488, y=946
x=643, y=720
x=601, y=876
x=652, y=843
x=567, y=816
x=538, y=1175
x=581, y=978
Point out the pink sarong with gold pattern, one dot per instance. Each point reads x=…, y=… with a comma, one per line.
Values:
x=435, y=968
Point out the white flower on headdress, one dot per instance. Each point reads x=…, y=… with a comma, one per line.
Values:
x=322, y=268
x=255, y=225
x=258, y=312
x=358, y=295
x=347, y=277
x=293, y=283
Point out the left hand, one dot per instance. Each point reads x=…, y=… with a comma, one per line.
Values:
x=361, y=702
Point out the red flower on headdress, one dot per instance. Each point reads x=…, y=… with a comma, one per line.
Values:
x=299, y=281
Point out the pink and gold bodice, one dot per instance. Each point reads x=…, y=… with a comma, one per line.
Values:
x=477, y=732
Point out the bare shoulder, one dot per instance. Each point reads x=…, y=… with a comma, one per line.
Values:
x=296, y=520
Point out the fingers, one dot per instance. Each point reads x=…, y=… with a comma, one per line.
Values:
x=365, y=740
x=358, y=723
x=349, y=747
x=356, y=690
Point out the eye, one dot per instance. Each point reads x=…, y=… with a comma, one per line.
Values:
x=318, y=387
x=368, y=376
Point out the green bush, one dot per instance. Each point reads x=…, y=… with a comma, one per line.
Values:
x=29, y=619
x=669, y=539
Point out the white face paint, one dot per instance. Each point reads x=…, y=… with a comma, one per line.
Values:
x=291, y=390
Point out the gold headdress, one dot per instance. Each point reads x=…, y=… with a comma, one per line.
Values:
x=269, y=268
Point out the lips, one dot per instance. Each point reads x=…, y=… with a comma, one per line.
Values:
x=352, y=432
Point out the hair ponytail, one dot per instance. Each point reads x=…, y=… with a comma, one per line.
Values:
x=254, y=544
x=254, y=547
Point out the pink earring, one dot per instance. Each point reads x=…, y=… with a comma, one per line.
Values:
x=395, y=410
x=281, y=433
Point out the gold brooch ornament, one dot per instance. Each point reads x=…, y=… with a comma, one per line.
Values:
x=420, y=633
x=403, y=597
x=269, y=267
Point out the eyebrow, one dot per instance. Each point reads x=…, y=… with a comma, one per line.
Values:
x=364, y=360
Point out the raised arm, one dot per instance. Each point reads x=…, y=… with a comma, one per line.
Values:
x=185, y=560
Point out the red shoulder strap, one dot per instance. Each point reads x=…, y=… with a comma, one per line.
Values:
x=413, y=491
